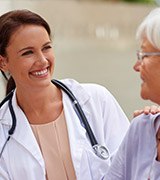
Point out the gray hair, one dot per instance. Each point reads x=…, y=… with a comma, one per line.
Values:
x=150, y=28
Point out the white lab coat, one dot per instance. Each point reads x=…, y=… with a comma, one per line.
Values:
x=22, y=158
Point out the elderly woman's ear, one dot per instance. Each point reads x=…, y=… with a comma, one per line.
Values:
x=3, y=64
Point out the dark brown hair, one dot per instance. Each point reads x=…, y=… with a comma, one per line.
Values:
x=9, y=23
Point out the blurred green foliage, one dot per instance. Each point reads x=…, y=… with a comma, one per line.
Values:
x=141, y=1
x=150, y=2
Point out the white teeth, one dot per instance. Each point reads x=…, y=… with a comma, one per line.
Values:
x=39, y=73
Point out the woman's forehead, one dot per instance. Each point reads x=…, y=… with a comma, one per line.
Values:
x=28, y=33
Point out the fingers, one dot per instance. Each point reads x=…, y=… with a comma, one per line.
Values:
x=147, y=109
x=137, y=112
x=153, y=109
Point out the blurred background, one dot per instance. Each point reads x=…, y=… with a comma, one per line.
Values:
x=94, y=41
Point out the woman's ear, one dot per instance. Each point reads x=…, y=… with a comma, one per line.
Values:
x=3, y=63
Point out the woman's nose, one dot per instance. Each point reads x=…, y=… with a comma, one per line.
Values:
x=137, y=65
x=41, y=58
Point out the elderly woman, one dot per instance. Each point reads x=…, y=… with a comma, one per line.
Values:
x=139, y=154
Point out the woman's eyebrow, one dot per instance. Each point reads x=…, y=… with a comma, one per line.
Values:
x=26, y=48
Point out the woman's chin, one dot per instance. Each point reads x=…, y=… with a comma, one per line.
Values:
x=144, y=94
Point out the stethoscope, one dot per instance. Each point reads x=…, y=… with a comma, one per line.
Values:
x=101, y=151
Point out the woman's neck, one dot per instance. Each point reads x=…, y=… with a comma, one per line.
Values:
x=38, y=106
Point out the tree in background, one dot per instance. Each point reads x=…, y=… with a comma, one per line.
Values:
x=141, y=1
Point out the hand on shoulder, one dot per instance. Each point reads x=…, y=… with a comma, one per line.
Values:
x=153, y=109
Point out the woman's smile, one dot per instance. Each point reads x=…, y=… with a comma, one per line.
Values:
x=40, y=73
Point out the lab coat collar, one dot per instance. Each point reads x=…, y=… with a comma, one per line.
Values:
x=23, y=133
x=76, y=132
x=78, y=90
x=73, y=85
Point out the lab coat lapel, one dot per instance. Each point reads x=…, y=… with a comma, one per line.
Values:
x=23, y=134
x=76, y=132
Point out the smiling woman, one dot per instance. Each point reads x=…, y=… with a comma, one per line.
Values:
x=46, y=139
x=31, y=59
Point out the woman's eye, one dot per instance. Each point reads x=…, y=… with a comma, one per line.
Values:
x=145, y=56
x=47, y=47
x=27, y=53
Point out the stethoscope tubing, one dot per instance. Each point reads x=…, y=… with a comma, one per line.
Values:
x=100, y=150
x=79, y=110
x=12, y=129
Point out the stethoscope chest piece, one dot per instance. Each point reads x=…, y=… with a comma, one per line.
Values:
x=101, y=151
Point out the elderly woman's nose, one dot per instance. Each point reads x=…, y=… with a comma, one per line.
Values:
x=136, y=67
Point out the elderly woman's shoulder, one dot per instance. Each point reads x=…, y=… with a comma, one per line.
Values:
x=144, y=121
